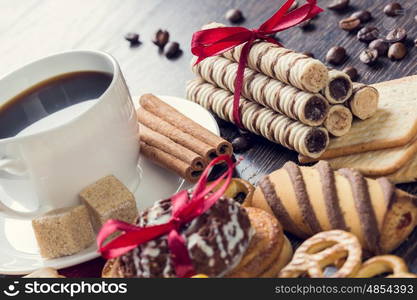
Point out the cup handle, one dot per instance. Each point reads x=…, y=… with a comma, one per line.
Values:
x=14, y=168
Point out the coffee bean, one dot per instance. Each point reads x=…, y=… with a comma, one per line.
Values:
x=305, y=25
x=161, y=38
x=350, y=24
x=368, y=34
x=397, y=51
x=368, y=56
x=397, y=35
x=240, y=144
x=336, y=55
x=132, y=37
x=338, y=4
x=351, y=72
x=363, y=15
x=172, y=50
x=293, y=6
x=309, y=54
x=379, y=45
x=235, y=15
x=393, y=9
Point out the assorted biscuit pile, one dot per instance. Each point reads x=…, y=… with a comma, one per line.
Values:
x=287, y=97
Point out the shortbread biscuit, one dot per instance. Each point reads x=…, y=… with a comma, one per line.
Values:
x=393, y=125
x=308, y=108
x=288, y=66
x=377, y=163
x=311, y=141
x=408, y=172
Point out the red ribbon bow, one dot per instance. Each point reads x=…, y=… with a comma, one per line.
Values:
x=184, y=210
x=212, y=42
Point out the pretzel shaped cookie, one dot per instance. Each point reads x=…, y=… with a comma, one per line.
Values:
x=324, y=249
x=385, y=264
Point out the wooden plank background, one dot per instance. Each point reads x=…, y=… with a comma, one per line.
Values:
x=30, y=29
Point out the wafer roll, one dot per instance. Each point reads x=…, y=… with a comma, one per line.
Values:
x=169, y=161
x=260, y=120
x=157, y=140
x=157, y=124
x=308, y=200
x=339, y=120
x=288, y=66
x=364, y=101
x=308, y=108
x=169, y=114
x=338, y=88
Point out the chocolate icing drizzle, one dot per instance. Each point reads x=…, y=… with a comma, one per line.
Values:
x=331, y=199
x=303, y=200
x=275, y=203
x=216, y=241
x=364, y=207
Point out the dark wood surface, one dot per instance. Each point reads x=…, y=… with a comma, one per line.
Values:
x=31, y=29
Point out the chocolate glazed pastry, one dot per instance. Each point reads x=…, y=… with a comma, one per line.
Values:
x=260, y=120
x=308, y=108
x=364, y=101
x=339, y=87
x=213, y=247
x=380, y=215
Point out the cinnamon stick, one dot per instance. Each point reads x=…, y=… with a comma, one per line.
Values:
x=170, y=162
x=157, y=140
x=172, y=132
x=169, y=114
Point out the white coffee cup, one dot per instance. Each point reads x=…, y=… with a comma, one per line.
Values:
x=47, y=169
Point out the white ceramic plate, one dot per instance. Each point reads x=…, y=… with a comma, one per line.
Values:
x=19, y=253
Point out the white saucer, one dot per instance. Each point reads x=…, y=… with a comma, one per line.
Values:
x=19, y=253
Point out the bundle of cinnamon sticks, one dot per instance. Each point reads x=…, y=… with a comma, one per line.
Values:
x=176, y=142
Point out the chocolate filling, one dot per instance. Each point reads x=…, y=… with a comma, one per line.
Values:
x=303, y=200
x=333, y=210
x=274, y=202
x=339, y=88
x=315, y=109
x=316, y=140
x=364, y=208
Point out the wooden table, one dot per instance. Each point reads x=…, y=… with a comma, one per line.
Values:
x=31, y=29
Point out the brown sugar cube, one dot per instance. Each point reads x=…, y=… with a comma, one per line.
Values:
x=63, y=231
x=108, y=199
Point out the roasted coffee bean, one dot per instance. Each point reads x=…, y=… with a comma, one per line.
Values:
x=241, y=144
x=305, y=25
x=368, y=34
x=336, y=55
x=363, y=15
x=379, y=45
x=161, y=38
x=132, y=37
x=172, y=50
x=235, y=15
x=338, y=4
x=351, y=72
x=350, y=24
x=393, y=9
x=397, y=35
x=397, y=51
x=368, y=56
x=309, y=54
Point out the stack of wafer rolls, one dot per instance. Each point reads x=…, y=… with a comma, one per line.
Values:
x=295, y=88
x=308, y=108
x=308, y=200
x=260, y=120
x=174, y=141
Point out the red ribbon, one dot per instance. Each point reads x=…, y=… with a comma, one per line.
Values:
x=184, y=210
x=215, y=41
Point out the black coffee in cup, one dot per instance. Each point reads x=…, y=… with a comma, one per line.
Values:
x=50, y=96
